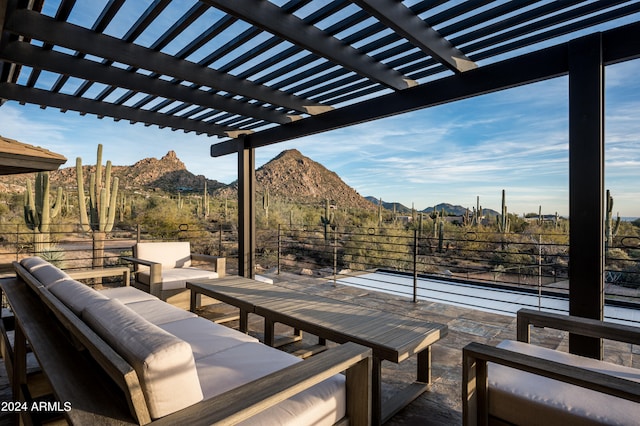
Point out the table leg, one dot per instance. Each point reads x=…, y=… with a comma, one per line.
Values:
x=424, y=365
x=376, y=391
x=244, y=321
x=195, y=301
x=269, y=332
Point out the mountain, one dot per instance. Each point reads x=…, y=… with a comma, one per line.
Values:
x=292, y=176
x=458, y=210
x=168, y=174
x=449, y=209
x=400, y=208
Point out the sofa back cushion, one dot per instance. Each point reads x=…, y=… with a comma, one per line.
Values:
x=170, y=254
x=164, y=363
x=75, y=295
x=44, y=271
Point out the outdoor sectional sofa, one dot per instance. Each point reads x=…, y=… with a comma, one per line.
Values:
x=171, y=366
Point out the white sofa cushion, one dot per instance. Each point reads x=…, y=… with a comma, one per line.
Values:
x=33, y=262
x=175, y=254
x=322, y=404
x=206, y=337
x=127, y=294
x=75, y=295
x=158, y=312
x=44, y=271
x=524, y=398
x=177, y=278
x=164, y=363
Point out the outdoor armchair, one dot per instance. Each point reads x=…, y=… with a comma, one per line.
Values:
x=163, y=268
x=517, y=382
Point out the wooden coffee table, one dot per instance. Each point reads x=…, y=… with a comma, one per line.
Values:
x=392, y=337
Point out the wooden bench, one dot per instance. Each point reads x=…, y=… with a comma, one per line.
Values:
x=114, y=271
x=391, y=337
x=93, y=384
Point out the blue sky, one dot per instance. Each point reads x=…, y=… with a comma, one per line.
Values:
x=515, y=140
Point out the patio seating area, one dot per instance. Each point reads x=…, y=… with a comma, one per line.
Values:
x=441, y=404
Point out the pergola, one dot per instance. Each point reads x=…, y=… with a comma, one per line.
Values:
x=259, y=72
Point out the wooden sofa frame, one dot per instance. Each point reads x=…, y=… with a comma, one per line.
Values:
x=475, y=356
x=100, y=387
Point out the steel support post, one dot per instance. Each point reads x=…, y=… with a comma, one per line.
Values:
x=586, y=188
x=246, y=210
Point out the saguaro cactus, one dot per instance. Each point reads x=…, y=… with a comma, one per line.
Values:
x=100, y=217
x=327, y=219
x=265, y=204
x=102, y=199
x=38, y=211
x=610, y=227
x=503, y=220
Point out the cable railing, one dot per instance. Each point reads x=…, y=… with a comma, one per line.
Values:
x=74, y=249
x=533, y=267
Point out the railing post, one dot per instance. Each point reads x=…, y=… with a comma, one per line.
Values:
x=335, y=255
x=220, y=240
x=17, y=241
x=415, y=266
x=539, y=272
x=279, y=248
x=138, y=233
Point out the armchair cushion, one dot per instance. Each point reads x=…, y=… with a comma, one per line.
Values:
x=518, y=397
x=170, y=254
x=177, y=278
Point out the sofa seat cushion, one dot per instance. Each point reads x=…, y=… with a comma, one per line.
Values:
x=524, y=398
x=158, y=312
x=177, y=278
x=324, y=403
x=44, y=271
x=171, y=255
x=164, y=363
x=206, y=337
x=75, y=295
x=127, y=294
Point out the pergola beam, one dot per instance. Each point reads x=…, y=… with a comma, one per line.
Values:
x=30, y=55
x=406, y=23
x=619, y=44
x=34, y=25
x=64, y=102
x=271, y=18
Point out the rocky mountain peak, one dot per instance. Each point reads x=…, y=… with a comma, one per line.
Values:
x=292, y=176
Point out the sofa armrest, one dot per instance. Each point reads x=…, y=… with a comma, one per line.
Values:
x=219, y=262
x=475, y=381
x=576, y=325
x=252, y=398
x=155, y=273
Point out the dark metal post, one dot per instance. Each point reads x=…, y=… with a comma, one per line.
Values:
x=415, y=266
x=246, y=209
x=279, y=247
x=335, y=255
x=586, y=187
